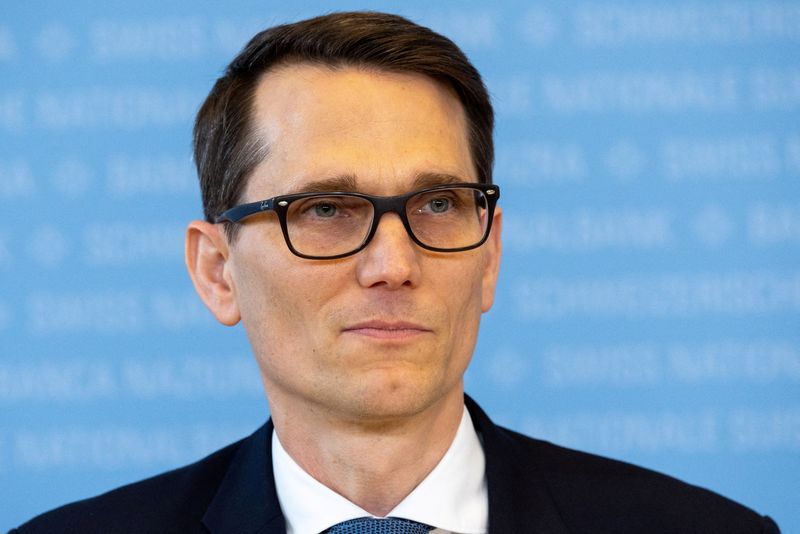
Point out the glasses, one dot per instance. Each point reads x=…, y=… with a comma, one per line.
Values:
x=445, y=218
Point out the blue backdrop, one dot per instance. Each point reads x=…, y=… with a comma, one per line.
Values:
x=649, y=300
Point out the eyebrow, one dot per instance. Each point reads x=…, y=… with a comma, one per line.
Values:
x=348, y=183
x=432, y=179
x=344, y=182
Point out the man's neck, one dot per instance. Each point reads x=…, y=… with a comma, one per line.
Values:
x=373, y=464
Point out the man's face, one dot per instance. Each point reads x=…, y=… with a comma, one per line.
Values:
x=390, y=330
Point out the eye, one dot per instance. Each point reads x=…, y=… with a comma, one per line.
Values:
x=439, y=205
x=324, y=209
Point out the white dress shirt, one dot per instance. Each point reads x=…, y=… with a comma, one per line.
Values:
x=453, y=497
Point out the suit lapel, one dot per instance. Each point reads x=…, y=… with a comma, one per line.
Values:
x=519, y=500
x=246, y=501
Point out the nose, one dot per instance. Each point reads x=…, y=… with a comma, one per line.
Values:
x=391, y=260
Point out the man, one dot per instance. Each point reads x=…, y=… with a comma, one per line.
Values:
x=351, y=225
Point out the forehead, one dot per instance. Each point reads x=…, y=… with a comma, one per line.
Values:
x=381, y=128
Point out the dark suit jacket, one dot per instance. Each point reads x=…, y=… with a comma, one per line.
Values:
x=534, y=487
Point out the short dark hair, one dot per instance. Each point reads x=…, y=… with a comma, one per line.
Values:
x=226, y=149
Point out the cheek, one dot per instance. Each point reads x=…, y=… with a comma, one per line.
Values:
x=281, y=304
x=260, y=284
x=461, y=292
x=467, y=284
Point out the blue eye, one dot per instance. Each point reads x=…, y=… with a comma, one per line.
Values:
x=324, y=209
x=439, y=205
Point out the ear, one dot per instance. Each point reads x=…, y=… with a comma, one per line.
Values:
x=207, y=260
x=491, y=267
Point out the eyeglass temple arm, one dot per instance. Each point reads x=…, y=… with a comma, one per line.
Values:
x=238, y=213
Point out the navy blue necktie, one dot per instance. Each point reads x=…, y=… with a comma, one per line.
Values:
x=370, y=525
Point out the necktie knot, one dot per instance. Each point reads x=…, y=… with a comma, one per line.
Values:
x=388, y=525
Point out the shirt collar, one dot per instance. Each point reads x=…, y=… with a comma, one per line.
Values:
x=453, y=497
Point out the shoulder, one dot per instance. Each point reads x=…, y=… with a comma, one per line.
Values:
x=566, y=490
x=174, y=501
x=598, y=494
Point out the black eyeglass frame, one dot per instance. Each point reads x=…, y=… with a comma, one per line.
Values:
x=380, y=206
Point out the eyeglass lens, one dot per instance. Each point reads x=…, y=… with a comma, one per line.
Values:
x=329, y=225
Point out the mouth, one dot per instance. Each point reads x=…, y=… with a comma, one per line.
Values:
x=387, y=330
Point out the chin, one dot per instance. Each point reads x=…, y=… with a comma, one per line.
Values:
x=382, y=400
